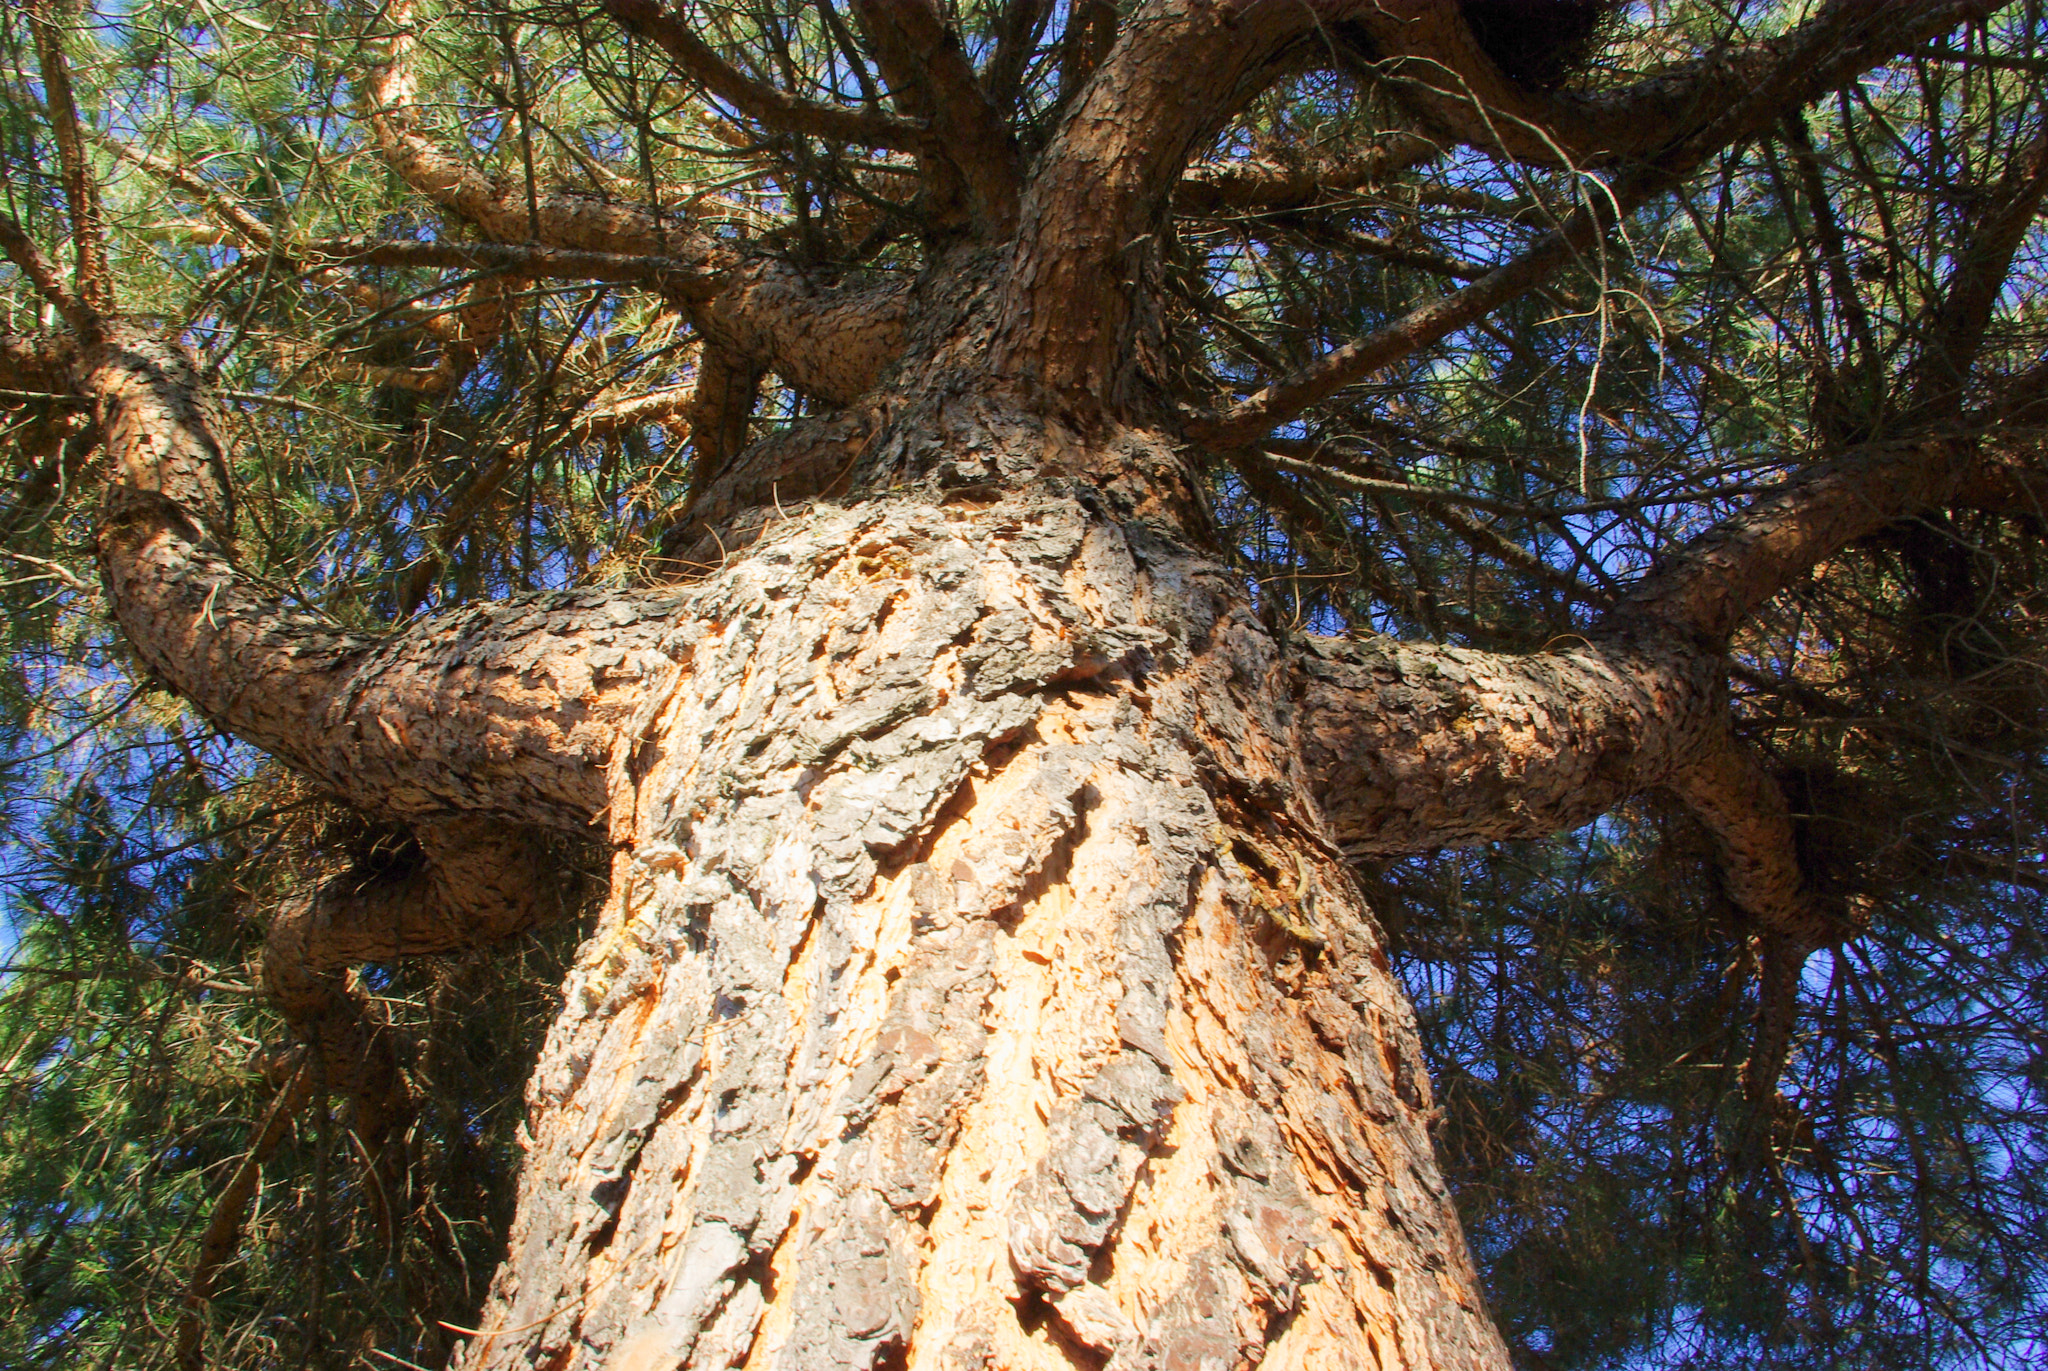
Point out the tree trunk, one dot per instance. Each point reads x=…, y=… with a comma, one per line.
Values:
x=978, y=988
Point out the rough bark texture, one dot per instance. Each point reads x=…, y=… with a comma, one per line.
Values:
x=982, y=982
x=978, y=988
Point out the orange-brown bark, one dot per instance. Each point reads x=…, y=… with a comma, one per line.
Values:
x=982, y=981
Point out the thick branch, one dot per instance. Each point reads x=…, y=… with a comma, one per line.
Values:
x=1105, y=182
x=831, y=343
x=39, y=362
x=921, y=54
x=1442, y=72
x=1720, y=578
x=1414, y=747
x=556, y=218
x=775, y=108
x=1744, y=809
x=497, y=709
x=479, y=881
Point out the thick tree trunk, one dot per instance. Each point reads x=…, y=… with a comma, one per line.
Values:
x=978, y=988
x=980, y=984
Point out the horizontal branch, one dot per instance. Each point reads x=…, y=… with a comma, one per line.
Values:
x=1412, y=747
x=1429, y=52
x=1263, y=185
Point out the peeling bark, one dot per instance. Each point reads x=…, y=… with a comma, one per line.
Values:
x=976, y=989
x=982, y=981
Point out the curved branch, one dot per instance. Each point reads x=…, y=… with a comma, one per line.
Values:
x=921, y=54
x=555, y=217
x=223, y=1230
x=1744, y=810
x=42, y=273
x=775, y=108
x=39, y=362
x=831, y=343
x=496, y=709
x=1429, y=51
x=478, y=882
x=1721, y=577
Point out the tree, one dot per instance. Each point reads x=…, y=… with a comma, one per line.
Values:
x=1212, y=454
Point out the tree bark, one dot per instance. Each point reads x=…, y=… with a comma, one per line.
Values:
x=978, y=987
x=982, y=982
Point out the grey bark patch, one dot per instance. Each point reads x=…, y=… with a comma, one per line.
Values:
x=1061, y=1217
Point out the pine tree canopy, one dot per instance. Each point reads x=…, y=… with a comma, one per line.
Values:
x=1502, y=330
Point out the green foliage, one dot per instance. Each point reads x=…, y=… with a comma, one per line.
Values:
x=1587, y=1002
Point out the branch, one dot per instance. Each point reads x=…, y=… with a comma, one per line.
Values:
x=1017, y=35
x=1983, y=263
x=1720, y=578
x=1103, y=185
x=224, y=1227
x=1843, y=41
x=42, y=273
x=1265, y=185
x=1744, y=809
x=479, y=882
x=921, y=54
x=39, y=362
x=775, y=108
x=1411, y=747
x=81, y=194
x=1716, y=581
x=492, y=709
x=1429, y=51
x=555, y=218
x=831, y=343
x=227, y=208
x=1252, y=418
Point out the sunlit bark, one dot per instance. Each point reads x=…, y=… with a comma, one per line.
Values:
x=982, y=980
